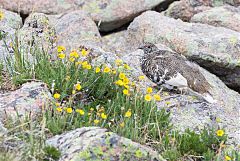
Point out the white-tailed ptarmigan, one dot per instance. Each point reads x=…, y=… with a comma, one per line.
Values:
x=172, y=70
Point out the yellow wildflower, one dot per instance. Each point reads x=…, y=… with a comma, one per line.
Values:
x=73, y=92
x=149, y=90
x=126, y=67
x=126, y=80
x=122, y=124
x=71, y=59
x=78, y=63
x=81, y=112
x=148, y=97
x=126, y=92
x=1, y=15
x=74, y=54
x=96, y=121
x=118, y=62
x=88, y=67
x=103, y=116
x=84, y=52
x=69, y=110
x=78, y=86
x=84, y=63
x=228, y=158
x=126, y=86
x=106, y=70
x=114, y=71
x=91, y=109
x=220, y=132
x=57, y=104
x=56, y=95
x=61, y=56
x=141, y=77
x=97, y=70
x=61, y=49
x=128, y=113
x=157, y=97
x=122, y=76
x=59, y=109
x=119, y=82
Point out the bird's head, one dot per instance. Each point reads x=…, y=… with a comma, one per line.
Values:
x=148, y=47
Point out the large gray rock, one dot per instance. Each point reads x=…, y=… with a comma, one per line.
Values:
x=224, y=16
x=74, y=29
x=114, y=42
x=8, y=26
x=70, y=30
x=190, y=112
x=185, y=9
x=215, y=48
x=94, y=143
x=37, y=30
x=110, y=14
x=29, y=99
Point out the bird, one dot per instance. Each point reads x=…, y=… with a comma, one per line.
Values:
x=173, y=71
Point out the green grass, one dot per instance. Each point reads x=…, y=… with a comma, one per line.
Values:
x=102, y=103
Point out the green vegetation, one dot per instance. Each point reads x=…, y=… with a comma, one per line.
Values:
x=85, y=94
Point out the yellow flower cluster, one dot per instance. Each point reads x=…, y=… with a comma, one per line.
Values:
x=73, y=54
x=125, y=82
x=86, y=65
x=148, y=96
x=84, y=52
x=80, y=111
x=60, y=50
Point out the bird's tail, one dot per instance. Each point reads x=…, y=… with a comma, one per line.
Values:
x=205, y=96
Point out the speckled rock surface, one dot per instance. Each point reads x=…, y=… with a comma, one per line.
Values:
x=37, y=30
x=74, y=29
x=28, y=99
x=8, y=25
x=224, y=16
x=185, y=9
x=114, y=42
x=110, y=14
x=214, y=48
x=70, y=30
x=189, y=112
x=94, y=143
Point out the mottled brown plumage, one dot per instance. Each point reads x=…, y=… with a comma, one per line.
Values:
x=167, y=68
